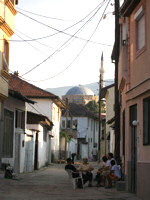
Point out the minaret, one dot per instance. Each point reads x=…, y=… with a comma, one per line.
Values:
x=102, y=71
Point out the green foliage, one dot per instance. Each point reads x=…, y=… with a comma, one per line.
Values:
x=93, y=106
x=62, y=134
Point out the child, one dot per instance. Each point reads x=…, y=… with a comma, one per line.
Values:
x=114, y=174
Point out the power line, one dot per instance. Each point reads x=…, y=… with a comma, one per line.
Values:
x=62, y=44
x=31, y=45
x=55, y=29
x=80, y=50
x=39, y=15
x=32, y=39
x=59, y=31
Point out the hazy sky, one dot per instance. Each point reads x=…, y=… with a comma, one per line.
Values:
x=70, y=52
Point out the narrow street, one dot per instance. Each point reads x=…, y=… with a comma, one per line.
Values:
x=52, y=183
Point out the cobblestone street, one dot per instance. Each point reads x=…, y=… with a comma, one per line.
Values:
x=52, y=183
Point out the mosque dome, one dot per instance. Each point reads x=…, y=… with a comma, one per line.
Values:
x=80, y=90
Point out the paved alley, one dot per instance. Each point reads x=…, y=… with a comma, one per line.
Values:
x=53, y=183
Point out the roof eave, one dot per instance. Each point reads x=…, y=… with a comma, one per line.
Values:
x=128, y=7
x=21, y=97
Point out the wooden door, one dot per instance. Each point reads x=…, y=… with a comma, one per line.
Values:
x=133, y=116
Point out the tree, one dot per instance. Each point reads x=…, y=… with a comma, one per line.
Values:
x=93, y=106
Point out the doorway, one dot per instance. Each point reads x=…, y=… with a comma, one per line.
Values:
x=133, y=118
x=36, y=152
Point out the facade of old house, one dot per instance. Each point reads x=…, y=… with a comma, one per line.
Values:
x=7, y=15
x=37, y=141
x=134, y=86
x=83, y=128
x=109, y=138
x=13, y=143
x=46, y=104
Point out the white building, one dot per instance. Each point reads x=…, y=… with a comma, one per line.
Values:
x=47, y=104
x=83, y=127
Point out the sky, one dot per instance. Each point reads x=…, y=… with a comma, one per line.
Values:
x=59, y=43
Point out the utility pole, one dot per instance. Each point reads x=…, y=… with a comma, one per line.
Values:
x=66, y=130
x=117, y=103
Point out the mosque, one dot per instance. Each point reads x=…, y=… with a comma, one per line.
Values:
x=80, y=95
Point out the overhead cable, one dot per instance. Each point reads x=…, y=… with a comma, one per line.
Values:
x=80, y=50
x=61, y=45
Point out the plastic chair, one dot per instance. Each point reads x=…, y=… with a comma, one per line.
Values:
x=74, y=180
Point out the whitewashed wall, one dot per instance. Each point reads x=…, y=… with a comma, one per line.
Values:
x=109, y=115
x=12, y=104
x=43, y=106
x=43, y=147
x=86, y=128
x=49, y=109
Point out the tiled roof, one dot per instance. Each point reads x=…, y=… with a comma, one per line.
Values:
x=79, y=110
x=31, y=91
x=27, y=89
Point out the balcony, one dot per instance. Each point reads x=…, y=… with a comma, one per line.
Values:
x=7, y=13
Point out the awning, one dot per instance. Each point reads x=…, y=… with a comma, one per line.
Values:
x=34, y=118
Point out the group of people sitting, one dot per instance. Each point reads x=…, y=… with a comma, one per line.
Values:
x=108, y=171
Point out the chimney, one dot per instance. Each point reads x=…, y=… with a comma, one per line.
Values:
x=16, y=73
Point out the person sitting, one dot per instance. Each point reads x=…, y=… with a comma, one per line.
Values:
x=114, y=174
x=110, y=157
x=75, y=172
x=71, y=167
x=86, y=169
x=99, y=176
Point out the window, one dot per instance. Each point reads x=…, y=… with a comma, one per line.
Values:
x=44, y=134
x=146, y=121
x=140, y=28
x=74, y=124
x=91, y=125
x=6, y=56
x=20, y=119
x=8, y=134
x=63, y=124
x=68, y=125
x=141, y=33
